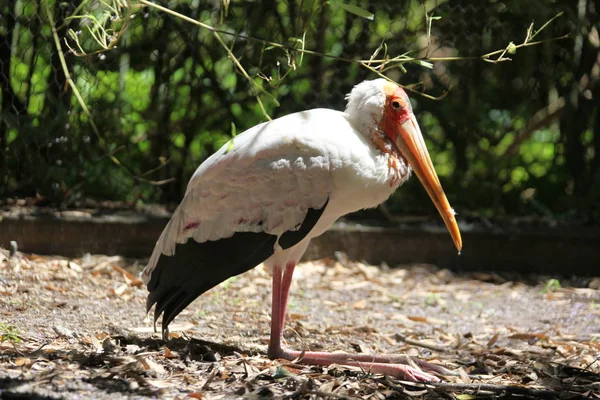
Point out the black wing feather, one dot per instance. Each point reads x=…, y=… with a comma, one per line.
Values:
x=179, y=279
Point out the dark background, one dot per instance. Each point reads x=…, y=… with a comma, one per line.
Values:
x=517, y=138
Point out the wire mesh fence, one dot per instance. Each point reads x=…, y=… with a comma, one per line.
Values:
x=120, y=100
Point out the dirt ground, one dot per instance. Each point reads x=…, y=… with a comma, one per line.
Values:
x=77, y=329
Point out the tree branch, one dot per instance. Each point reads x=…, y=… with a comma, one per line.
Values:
x=540, y=119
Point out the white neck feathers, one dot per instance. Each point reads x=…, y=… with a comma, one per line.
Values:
x=365, y=105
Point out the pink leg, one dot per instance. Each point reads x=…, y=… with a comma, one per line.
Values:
x=276, y=331
x=393, y=365
x=282, y=280
x=285, y=292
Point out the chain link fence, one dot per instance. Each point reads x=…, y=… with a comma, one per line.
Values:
x=118, y=100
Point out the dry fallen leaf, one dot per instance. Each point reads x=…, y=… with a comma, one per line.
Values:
x=464, y=377
x=120, y=290
x=328, y=387
x=360, y=305
x=22, y=361
x=295, y=317
x=493, y=340
x=75, y=267
x=528, y=336
x=168, y=353
x=417, y=318
x=465, y=397
x=321, y=320
x=150, y=365
x=129, y=277
x=53, y=288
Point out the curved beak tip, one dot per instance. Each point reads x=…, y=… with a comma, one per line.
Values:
x=411, y=144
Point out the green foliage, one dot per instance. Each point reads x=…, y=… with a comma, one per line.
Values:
x=361, y=12
x=551, y=286
x=9, y=333
x=167, y=96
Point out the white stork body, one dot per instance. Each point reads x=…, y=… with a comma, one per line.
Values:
x=263, y=197
x=273, y=173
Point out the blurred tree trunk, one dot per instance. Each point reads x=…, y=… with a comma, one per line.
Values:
x=160, y=110
x=11, y=104
x=580, y=104
x=595, y=170
x=35, y=26
x=318, y=62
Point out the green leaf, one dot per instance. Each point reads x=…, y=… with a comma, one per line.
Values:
x=551, y=286
x=354, y=10
x=229, y=146
x=512, y=49
x=281, y=372
x=9, y=333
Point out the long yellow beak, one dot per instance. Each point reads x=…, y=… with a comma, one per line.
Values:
x=411, y=144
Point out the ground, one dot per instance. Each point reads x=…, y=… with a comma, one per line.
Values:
x=77, y=329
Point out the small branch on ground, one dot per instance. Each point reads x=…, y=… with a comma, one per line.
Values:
x=479, y=389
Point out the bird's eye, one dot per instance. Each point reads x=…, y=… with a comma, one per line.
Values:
x=396, y=104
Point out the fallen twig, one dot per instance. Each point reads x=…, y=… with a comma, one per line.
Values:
x=484, y=387
x=426, y=345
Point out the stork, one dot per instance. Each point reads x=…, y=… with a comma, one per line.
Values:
x=263, y=197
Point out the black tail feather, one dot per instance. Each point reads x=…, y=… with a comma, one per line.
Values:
x=179, y=279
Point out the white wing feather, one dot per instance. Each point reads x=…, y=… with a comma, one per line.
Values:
x=265, y=182
x=273, y=173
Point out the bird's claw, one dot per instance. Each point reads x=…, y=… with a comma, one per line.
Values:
x=401, y=371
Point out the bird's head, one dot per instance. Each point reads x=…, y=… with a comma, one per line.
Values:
x=382, y=105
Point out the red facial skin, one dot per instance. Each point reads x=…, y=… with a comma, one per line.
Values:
x=396, y=111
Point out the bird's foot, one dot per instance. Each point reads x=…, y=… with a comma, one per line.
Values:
x=392, y=365
x=399, y=371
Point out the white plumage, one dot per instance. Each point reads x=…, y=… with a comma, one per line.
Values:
x=263, y=198
x=274, y=172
